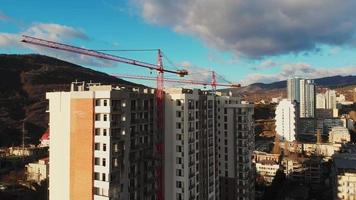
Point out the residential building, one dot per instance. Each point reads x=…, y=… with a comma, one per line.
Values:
x=340, y=98
x=303, y=170
x=339, y=135
x=293, y=89
x=307, y=98
x=37, y=172
x=101, y=144
x=320, y=101
x=267, y=169
x=325, y=125
x=286, y=120
x=327, y=150
x=260, y=155
x=302, y=91
x=190, y=166
x=266, y=165
x=235, y=142
x=343, y=176
x=209, y=148
x=330, y=97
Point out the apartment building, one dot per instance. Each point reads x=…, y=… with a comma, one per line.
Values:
x=344, y=176
x=190, y=167
x=235, y=143
x=302, y=91
x=303, y=170
x=101, y=143
x=208, y=146
x=307, y=98
x=286, y=120
x=267, y=169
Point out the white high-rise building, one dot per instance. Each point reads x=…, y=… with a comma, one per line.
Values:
x=330, y=96
x=207, y=144
x=307, y=98
x=235, y=142
x=101, y=144
x=190, y=166
x=302, y=91
x=320, y=101
x=286, y=120
x=293, y=87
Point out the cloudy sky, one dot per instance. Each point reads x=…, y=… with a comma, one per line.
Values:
x=245, y=41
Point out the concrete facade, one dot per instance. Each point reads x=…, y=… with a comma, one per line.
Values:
x=95, y=149
x=286, y=120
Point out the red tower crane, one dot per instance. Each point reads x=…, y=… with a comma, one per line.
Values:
x=159, y=138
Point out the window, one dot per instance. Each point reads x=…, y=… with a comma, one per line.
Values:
x=179, y=103
x=116, y=147
x=97, y=146
x=97, y=161
x=179, y=184
x=104, y=132
x=104, y=162
x=96, y=176
x=97, y=117
x=104, y=147
x=97, y=102
x=96, y=190
x=115, y=162
x=179, y=148
x=105, y=117
x=178, y=125
x=103, y=177
x=97, y=131
x=105, y=102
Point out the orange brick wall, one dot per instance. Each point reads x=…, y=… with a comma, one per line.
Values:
x=81, y=149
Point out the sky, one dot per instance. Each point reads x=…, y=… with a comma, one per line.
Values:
x=243, y=41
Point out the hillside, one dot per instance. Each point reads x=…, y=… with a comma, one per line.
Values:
x=258, y=91
x=24, y=80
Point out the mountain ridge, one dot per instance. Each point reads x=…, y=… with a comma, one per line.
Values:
x=24, y=80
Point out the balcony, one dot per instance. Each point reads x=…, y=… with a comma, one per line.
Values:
x=191, y=151
x=191, y=174
x=191, y=140
x=191, y=186
x=191, y=163
x=191, y=118
x=191, y=129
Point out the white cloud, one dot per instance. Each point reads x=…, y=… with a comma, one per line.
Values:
x=301, y=70
x=265, y=65
x=53, y=32
x=256, y=28
x=9, y=40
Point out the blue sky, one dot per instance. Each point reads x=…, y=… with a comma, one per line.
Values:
x=262, y=44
